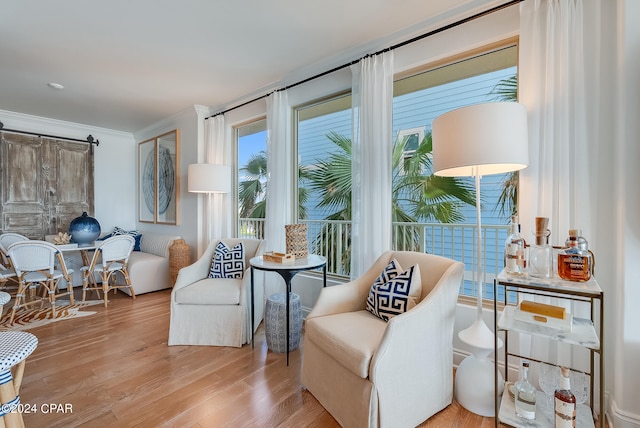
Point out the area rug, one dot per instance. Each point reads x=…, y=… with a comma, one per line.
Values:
x=26, y=319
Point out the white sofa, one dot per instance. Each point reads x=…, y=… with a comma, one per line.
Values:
x=148, y=268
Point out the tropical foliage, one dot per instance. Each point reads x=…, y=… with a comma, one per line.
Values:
x=253, y=188
x=417, y=194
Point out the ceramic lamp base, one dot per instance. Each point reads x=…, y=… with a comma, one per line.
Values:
x=474, y=386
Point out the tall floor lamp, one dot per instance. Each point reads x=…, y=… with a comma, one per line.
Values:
x=208, y=178
x=473, y=141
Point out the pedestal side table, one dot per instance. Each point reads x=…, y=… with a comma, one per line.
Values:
x=287, y=272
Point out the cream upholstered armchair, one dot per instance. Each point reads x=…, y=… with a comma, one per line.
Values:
x=367, y=372
x=215, y=311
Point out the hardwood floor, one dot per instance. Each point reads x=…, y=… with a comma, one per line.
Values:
x=114, y=369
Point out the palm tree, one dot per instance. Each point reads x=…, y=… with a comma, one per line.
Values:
x=416, y=196
x=507, y=90
x=253, y=187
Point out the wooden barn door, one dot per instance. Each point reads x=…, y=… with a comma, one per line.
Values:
x=44, y=184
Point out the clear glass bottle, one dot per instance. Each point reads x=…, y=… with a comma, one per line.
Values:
x=565, y=403
x=540, y=258
x=514, y=260
x=574, y=263
x=525, y=395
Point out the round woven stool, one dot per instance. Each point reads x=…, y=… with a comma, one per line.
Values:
x=275, y=320
x=15, y=347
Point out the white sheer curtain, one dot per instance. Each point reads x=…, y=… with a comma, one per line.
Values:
x=371, y=160
x=217, y=209
x=279, y=209
x=557, y=76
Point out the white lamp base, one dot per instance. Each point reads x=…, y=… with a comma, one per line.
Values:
x=474, y=388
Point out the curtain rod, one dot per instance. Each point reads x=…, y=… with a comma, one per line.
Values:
x=396, y=46
x=88, y=140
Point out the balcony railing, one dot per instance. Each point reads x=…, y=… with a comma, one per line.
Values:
x=332, y=239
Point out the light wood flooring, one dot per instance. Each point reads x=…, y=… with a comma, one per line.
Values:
x=114, y=369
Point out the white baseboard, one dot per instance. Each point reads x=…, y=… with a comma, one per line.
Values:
x=618, y=418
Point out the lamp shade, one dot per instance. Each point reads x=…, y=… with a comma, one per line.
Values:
x=209, y=178
x=481, y=139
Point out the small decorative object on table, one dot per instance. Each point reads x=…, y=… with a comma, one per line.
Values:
x=84, y=229
x=62, y=238
x=296, y=235
x=285, y=259
x=542, y=314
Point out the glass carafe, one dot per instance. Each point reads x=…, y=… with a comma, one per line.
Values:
x=540, y=263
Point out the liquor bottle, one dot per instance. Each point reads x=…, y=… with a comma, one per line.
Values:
x=540, y=254
x=514, y=250
x=583, y=245
x=565, y=403
x=574, y=263
x=525, y=395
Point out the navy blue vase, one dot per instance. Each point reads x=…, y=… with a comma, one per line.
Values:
x=84, y=229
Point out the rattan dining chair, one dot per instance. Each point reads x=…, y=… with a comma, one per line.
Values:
x=8, y=277
x=111, y=257
x=35, y=265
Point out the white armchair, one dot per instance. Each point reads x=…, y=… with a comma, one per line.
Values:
x=215, y=311
x=367, y=372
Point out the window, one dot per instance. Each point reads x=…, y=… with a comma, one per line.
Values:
x=446, y=226
x=411, y=139
x=324, y=178
x=251, y=144
x=430, y=215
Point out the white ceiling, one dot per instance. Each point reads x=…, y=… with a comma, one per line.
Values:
x=127, y=64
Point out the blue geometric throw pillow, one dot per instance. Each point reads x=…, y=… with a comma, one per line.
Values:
x=397, y=294
x=227, y=262
x=135, y=234
x=391, y=271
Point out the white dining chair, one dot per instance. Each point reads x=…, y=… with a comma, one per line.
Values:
x=35, y=265
x=110, y=257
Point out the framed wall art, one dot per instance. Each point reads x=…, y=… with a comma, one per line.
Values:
x=159, y=179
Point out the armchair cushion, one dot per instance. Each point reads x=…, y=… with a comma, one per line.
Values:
x=351, y=338
x=221, y=291
x=394, y=291
x=227, y=262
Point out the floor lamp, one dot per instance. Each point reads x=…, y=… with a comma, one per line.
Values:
x=473, y=141
x=208, y=178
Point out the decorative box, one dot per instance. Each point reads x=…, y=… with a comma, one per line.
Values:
x=284, y=258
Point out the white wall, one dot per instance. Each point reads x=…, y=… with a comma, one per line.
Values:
x=190, y=123
x=623, y=203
